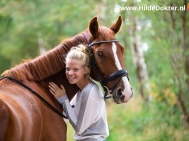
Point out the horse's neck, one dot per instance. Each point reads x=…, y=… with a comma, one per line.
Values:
x=82, y=38
x=50, y=66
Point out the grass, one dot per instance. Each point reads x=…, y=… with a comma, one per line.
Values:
x=135, y=121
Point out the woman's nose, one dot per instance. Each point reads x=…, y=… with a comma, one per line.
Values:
x=70, y=72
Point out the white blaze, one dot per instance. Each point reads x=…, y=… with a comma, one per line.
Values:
x=127, y=89
x=117, y=63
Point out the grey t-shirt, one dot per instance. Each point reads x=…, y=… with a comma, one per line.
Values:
x=88, y=117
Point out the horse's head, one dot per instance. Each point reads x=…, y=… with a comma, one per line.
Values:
x=107, y=57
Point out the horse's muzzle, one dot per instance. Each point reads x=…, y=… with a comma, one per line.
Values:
x=120, y=97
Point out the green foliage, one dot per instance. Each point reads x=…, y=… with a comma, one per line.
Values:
x=138, y=122
x=135, y=121
x=24, y=23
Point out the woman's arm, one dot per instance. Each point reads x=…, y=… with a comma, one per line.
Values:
x=88, y=110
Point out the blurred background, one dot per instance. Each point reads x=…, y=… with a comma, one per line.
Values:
x=156, y=56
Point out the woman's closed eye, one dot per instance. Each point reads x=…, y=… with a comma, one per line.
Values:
x=75, y=70
x=67, y=69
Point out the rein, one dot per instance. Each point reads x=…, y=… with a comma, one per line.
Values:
x=35, y=93
x=104, y=80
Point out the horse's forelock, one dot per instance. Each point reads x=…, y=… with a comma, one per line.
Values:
x=106, y=33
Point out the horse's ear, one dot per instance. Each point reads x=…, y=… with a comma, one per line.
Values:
x=93, y=27
x=117, y=25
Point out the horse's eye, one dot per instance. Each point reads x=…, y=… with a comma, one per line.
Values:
x=99, y=53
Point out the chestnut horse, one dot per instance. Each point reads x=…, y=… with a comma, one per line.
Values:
x=24, y=117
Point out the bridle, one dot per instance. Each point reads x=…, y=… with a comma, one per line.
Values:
x=104, y=80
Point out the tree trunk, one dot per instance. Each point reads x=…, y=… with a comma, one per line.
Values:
x=177, y=59
x=186, y=56
x=184, y=43
x=139, y=60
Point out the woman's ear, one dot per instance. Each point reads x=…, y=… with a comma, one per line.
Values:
x=87, y=70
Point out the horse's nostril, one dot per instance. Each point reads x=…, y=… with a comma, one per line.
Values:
x=119, y=92
x=120, y=95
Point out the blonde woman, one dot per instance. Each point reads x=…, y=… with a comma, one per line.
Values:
x=88, y=117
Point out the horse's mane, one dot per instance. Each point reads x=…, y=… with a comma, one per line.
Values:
x=48, y=64
x=51, y=62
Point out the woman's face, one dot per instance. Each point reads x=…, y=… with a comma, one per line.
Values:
x=75, y=72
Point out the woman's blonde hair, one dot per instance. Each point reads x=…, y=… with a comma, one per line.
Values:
x=79, y=53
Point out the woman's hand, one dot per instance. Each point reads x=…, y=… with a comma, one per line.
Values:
x=56, y=91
